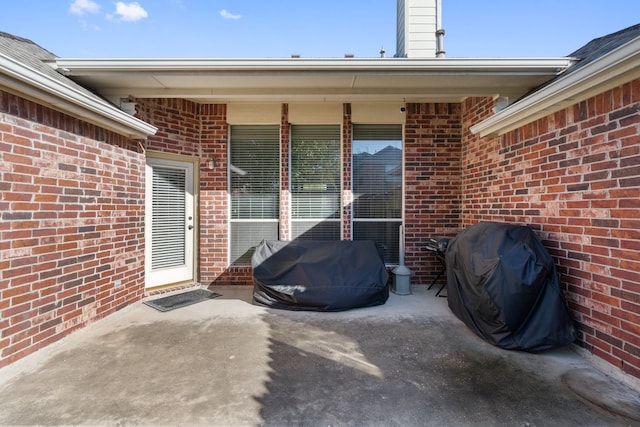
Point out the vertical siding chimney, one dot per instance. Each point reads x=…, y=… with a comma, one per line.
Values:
x=419, y=32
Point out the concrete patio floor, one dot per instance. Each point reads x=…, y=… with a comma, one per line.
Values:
x=226, y=362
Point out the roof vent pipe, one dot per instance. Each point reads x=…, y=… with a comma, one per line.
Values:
x=439, y=31
x=440, y=43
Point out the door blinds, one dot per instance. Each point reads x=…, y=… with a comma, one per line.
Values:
x=168, y=218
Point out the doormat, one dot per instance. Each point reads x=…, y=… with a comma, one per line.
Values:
x=181, y=300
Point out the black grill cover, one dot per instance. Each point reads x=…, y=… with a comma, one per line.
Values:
x=503, y=284
x=319, y=275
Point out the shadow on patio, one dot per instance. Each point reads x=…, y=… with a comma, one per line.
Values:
x=411, y=371
x=227, y=362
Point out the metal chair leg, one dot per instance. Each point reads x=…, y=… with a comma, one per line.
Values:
x=440, y=290
x=435, y=280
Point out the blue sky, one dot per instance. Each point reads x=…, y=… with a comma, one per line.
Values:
x=325, y=28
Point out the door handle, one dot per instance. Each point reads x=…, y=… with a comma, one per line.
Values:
x=190, y=227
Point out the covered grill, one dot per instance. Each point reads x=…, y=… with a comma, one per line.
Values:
x=503, y=284
x=319, y=275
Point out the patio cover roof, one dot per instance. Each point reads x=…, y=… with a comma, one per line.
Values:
x=312, y=80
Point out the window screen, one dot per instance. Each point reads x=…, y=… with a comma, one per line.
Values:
x=254, y=187
x=377, y=187
x=315, y=182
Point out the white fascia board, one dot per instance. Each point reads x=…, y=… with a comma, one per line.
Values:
x=39, y=87
x=77, y=67
x=617, y=67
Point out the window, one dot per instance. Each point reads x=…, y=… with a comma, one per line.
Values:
x=254, y=157
x=377, y=187
x=315, y=182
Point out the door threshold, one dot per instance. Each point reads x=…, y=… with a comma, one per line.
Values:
x=173, y=288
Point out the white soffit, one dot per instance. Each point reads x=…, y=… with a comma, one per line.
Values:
x=619, y=66
x=298, y=79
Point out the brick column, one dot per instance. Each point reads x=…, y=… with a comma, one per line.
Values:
x=347, y=193
x=432, y=148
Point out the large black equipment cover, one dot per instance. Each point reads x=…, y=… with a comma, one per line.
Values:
x=319, y=275
x=502, y=283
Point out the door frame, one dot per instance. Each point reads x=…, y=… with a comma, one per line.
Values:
x=195, y=164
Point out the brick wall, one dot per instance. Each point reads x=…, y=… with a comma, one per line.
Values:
x=285, y=195
x=178, y=122
x=214, y=208
x=72, y=225
x=433, y=138
x=198, y=130
x=347, y=168
x=574, y=177
x=432, y=153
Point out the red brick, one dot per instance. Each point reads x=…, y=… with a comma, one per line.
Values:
x=38, y=237
x=550, y=174
x=602, y=210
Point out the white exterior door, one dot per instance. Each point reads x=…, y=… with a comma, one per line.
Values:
x=169, y=222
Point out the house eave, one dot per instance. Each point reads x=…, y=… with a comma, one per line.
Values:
x=611, y=70
x=312, y=79
x=78, y=66
x=31, y=84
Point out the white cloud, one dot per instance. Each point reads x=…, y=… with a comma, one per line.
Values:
x=228, y=15
x=82, y=7
x=130, y=11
